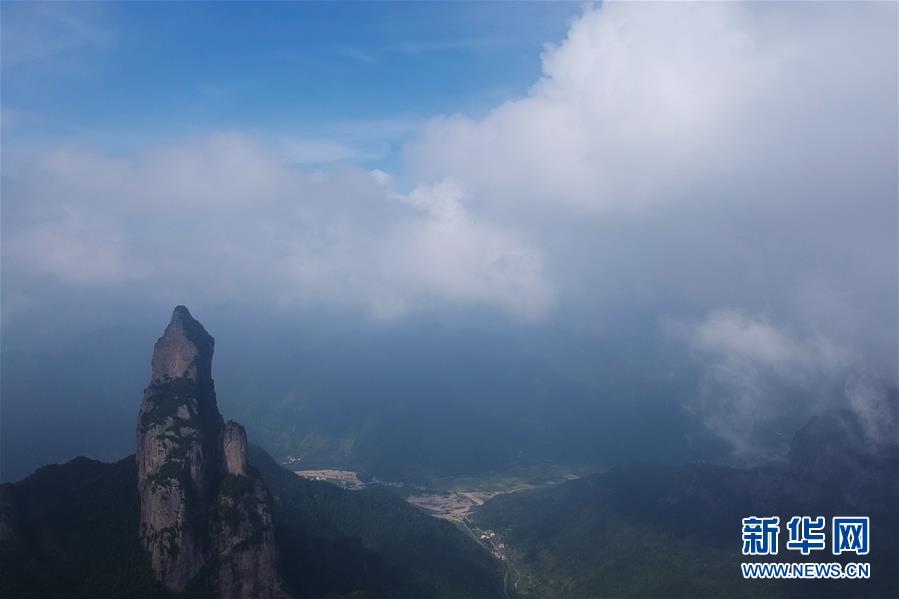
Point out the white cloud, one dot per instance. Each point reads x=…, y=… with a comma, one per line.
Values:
x=642, y=101
x=868, y=399
x=312, y=151
x=382, y=177
x=222, y=216
x=74, y=250
x=734, y=334
x=757, y=377
x=452, y=255
x=686, y=156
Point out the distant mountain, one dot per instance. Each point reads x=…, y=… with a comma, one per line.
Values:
x=674, y=531
x=193, y=514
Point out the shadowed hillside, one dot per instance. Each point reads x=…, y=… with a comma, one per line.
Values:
x=674, y=531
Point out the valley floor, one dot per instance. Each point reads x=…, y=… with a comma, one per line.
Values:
x=455, y=498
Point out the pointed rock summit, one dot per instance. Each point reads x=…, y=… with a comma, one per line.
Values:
x=184, y=350
x=205, y=514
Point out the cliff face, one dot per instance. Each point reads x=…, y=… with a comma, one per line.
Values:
x=205, y=517
x=177, y=457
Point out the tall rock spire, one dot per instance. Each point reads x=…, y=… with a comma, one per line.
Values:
x=192, y=472
x=184, y=350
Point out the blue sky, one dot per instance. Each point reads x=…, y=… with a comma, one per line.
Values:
x=357, y=78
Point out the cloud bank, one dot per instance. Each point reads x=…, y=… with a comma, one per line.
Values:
x=222, y=217
x=760, y=378
x=642, y=102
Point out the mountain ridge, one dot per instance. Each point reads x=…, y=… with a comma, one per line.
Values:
x=674, y=529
